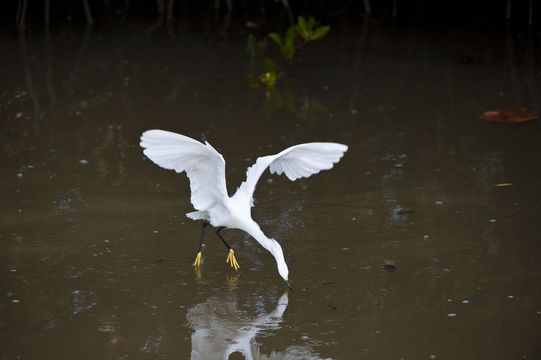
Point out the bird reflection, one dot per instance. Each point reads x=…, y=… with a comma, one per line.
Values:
x=221, y=329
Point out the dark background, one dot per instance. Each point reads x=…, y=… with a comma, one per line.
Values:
x=273, y=14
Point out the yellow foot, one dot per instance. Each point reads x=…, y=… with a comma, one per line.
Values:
x=197, y=270
x=231, y=259
x=197, y=261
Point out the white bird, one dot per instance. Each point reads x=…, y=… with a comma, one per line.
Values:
x=205, y=168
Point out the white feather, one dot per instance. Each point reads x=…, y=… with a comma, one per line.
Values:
x=204, y=166
x=295, y=162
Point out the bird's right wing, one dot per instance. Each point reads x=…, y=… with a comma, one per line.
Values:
x=204, y=166
x=295, y=162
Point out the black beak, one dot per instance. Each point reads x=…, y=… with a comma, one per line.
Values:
x=287, y=285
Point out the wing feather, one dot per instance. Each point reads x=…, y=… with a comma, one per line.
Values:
x=295, y=162
x=204, y=166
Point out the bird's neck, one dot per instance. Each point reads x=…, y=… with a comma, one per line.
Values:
x=255, y=231
x=271, y=245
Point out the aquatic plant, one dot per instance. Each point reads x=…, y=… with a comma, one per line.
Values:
x=294, y=38
x=267, y=80
x=298, y=35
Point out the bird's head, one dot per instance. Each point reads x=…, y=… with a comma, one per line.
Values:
x=286, y=281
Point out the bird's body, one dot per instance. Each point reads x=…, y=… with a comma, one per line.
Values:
x=205, y=168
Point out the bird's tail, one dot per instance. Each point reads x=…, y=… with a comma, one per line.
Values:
x=198, y=215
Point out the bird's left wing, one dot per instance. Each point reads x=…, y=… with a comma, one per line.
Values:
x=295, y=162
x=204, y=166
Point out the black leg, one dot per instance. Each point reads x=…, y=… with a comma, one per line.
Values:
x=202, y=236
x=221, y=237
x=197, y=261
x=231, y=255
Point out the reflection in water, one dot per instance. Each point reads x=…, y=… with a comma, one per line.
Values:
x=113, y=145
x=28, y=78
x=221, y=329
x=75, y=74
x=388, y=185
x=48, y=64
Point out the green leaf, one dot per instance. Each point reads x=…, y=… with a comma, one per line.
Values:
x=320, y=32
x=290, y=35
x=302, y=29
x=289, y=52
x=288, y=48
x=277, y=38
x=311, y=23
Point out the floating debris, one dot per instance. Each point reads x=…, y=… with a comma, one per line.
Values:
x=451, y=315
x=389, y=265
x=504, y=184
x=405, y=212
x=516, y=115
x=83, y=162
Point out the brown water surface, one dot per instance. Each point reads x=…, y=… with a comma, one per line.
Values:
x=407, y=249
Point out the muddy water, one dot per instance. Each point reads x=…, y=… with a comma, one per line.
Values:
x=408, y=248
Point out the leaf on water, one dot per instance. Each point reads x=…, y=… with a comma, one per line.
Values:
x=515, y=115
x=504, y=184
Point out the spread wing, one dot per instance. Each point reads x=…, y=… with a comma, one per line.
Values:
x=204, y=166
x=295, y=162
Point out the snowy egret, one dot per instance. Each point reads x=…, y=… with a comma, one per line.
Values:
x=205, y=168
